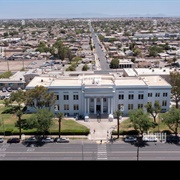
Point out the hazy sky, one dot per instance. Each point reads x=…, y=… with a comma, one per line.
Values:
x=83, y=8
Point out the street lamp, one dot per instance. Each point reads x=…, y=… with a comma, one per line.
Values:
x=82, y=151
x=139, y=138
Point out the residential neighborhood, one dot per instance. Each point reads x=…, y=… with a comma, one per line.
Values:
x=89, y=80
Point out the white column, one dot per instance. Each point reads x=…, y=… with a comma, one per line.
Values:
x=88, y=105
x=111, y=105
x=85, y=106
x=101, y=105
x=108, y=105
x=94, y=105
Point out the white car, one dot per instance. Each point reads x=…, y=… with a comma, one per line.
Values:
x=62, y=140
x=150, y=139
x=47, y=140
x=130, y=139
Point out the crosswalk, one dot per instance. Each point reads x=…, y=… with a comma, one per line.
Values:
x=101, y=152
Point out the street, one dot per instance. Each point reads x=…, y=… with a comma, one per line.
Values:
x=83, y=150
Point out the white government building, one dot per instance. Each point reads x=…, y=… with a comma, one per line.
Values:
x=92, y=94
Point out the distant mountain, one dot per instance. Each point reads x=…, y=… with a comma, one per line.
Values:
x=86, y=15
x=101, y=15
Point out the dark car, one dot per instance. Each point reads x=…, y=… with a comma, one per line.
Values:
x=1, y=140
x=31, y=140
x=172, y=139
x=13, y=140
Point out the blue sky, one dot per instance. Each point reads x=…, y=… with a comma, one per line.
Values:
x=86, y=8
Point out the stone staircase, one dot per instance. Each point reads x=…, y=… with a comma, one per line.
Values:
x=100, y=118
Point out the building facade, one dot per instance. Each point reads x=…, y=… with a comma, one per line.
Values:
x=89, y=94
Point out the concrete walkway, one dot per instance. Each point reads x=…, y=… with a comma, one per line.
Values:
x=100, y=130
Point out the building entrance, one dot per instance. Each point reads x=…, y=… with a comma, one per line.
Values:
x=98, y=108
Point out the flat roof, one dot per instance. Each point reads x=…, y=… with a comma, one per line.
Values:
x=129, y=81
x=97, y=81
x=155, y=81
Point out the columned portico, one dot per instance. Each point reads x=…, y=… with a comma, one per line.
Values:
x=94, y=105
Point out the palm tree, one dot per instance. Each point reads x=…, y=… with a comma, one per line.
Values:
x=118, y=114
x=19, y=115
x=60, y=116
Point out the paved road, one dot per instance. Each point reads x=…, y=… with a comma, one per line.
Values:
x=86, y=150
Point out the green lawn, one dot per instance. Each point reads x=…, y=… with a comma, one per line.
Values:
x=8, y=120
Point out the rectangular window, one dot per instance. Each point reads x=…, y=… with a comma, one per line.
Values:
x=131, y=96
x=75, y=97
x=57, y=97
x=66, y=106
x=164, y=103
x=121, y=107
x=10, y=84
x=130, y=106
x=140, y=96
x=165, y=94
x=121, y=96
x=20, y=84
x=157, y=95
x=104, y=99
x=92, y=100
x=66, y=97
x=149, y=94
x=140, y=106
x=56, y=107
x=76, y=107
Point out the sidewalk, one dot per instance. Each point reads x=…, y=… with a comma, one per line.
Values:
x=100, y=130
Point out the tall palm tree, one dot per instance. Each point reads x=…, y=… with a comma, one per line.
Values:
x=118, y=114
x=60, y=117
x=19, y=115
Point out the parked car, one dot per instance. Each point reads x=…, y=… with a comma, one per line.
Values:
x=150, y=139
x=31, y=140
x=130, y=139
x=172, y=139
x=13, y=140
x=1, y=140
x=62, y=140
x=47, y=140
x=3, y=97
x=9, y=89
x=3, y=89
x=7, y=96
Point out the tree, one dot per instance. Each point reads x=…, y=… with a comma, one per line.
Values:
x=43, y=120
x=140, y=120
x=60, y=117
x=172, y=119
x=19, y=114
x=19, y=97
x=153, y=110
x=114, y=64
x=39, y=97
x=175, y=83
x=85, y=67
x=118, y=113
